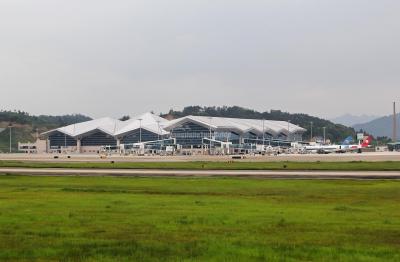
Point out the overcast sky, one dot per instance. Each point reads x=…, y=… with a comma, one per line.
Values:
x=110, y=58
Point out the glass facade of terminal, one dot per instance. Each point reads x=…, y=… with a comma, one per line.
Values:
x=98, y=139
x=234, y=138
x=134, y=136
x=191, y=134
x=58, y=139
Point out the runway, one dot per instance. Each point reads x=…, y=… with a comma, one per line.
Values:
x=203, y=173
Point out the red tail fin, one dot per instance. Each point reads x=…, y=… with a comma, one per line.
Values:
x=367, y=141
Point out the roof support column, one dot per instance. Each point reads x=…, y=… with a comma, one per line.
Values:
x=241, y=139
x=78, y=145
x=47, y=145
x=119, y=145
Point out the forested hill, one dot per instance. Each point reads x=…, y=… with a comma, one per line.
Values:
x=42, y=121
x=25, y=126
x=334, y=132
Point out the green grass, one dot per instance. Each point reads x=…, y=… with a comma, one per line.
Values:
x=238, y=165
x=197, y=219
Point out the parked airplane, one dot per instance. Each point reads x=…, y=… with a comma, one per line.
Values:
x=365, y=143
x=342, y=148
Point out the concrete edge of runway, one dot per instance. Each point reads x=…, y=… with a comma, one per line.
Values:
x=320, y=175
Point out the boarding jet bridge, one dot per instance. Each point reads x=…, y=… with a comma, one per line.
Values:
x=216, y=147
x=249, y=146
x=159, y=147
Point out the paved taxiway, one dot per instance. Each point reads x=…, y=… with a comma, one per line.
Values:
x=367, y=156
x=204, y=173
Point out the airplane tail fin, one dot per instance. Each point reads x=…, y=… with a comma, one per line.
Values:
x=366, y=141
x=348, y=140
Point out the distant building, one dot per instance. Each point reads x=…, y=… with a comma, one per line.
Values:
x=40, y=146
x=394, y=146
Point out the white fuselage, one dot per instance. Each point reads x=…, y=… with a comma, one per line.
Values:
x=323, y=148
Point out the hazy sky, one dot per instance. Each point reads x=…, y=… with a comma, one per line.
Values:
x=110, y=58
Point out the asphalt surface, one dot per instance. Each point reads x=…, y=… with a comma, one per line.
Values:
x=203, y=173
x=366, y=156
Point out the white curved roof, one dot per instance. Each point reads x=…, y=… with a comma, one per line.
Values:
x=161, y=126
x=114, y=127
x=240, y=125
x=147, y=121
x=105, y=124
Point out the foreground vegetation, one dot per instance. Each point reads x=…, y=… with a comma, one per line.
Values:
x=202, y=219
x=238, y=165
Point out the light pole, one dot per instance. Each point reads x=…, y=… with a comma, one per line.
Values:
x=311, y=124
x=288, y=129
x=263, y=122
x=159, y=130
x=324, y=135
x=10, y=126
x=210, y=134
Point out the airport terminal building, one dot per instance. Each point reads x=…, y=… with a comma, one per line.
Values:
x=189, y=132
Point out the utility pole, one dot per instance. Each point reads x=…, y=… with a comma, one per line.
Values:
x=159, y=129
x=210, y=134
x=324, y=135
x=311, y=135
x=263, y=133
x=10, y=126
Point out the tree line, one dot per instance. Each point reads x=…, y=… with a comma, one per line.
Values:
x=334, y=132
x=41, y=121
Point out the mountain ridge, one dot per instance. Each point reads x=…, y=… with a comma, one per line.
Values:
x=381, y=127
x=351, y=120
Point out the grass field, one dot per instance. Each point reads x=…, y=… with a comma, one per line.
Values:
x=238, y=165
x=202, y=219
